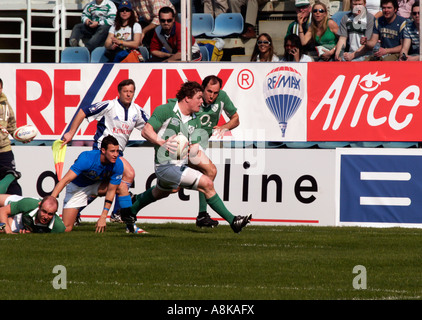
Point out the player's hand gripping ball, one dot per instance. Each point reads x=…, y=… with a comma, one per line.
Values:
x=182, y=146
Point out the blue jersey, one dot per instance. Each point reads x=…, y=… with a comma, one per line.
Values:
x=90, y=170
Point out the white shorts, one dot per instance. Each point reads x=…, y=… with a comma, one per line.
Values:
x=77, y=197
x=171, y=177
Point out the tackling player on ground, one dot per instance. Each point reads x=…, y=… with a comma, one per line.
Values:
x=94, y=173
x=172, y=173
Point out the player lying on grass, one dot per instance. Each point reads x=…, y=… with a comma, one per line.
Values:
x=166, y=122
x=94, y=173
x=25, y=215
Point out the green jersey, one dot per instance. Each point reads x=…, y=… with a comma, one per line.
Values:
x=167, y=120
x=28, y=207
x=210, y=115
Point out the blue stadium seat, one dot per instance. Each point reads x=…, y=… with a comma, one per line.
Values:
x=97, y=55
x=75, y=55
x=145, y=53
x=366, y=144
x=300, y=144
x=338, y=16
x=227, y=24
x=400, y=144
x=205, y=53
x=202, y=23
x=333, y=144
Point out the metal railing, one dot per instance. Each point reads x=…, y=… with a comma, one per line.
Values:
x=20, y=36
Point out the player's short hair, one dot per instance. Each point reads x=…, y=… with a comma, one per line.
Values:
x=393, y=2
x=49, y=198
x=213, y=80
x=1, y=82
x=125, y=83
x=109, y=140
x=188, y=89
x=166, y=10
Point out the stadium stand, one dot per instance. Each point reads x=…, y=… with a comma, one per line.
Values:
x=98, y=55
x=75, y=55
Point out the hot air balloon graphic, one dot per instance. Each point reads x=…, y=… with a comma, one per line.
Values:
x=283, y=90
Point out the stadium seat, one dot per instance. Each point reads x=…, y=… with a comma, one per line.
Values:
x=145, y=53
x=202, y=23
x=227, y=24
x=97, y=55
x=332, y=144
x=300, y=145
x=338, y=16
x=75, y=55
x=205, y=53
x=400, y=144
x=366, y=144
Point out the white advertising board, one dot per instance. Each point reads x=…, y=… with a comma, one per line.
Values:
x=278, y=186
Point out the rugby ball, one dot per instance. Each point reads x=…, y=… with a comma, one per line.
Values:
x=182, y=146
x=25, y=133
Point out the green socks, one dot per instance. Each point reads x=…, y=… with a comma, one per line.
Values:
x=142, y=200
x=202, y=202
x=5, y=183
x=218, y=206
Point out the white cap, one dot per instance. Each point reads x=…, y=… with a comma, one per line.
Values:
x=301, y=3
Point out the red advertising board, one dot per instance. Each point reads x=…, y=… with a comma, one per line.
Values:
x=364, y=101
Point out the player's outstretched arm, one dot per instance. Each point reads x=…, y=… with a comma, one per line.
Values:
x=68, y=136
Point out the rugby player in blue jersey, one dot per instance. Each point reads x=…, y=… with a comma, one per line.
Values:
x=94, y=173
x=117, y=117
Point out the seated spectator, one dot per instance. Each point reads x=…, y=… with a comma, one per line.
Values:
x=124, y=35
x=97, y=18
x=354, y=26
x=405, y=8
x=322, y=30
x=389, y=30
x=264, y=49
x=293, y=50
x=303, y=11
x=410, y=50
x=147, y=11
x=250, y=17
x=166, y=43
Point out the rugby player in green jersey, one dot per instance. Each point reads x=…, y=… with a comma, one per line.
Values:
x=216, y=101
x=166, y=122
x=29, y=215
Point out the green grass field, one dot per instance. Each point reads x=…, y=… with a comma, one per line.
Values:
x=182, y=262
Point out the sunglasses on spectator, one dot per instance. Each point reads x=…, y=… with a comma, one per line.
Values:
x=166, y=20
x=125, y=10
x=415, y=13
x=263, y=42
x=318, y=10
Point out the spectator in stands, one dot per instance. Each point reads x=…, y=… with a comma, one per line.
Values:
x=405, y=8
x=125, y=35
x=252, y=7
x=303, y=11
x=264, y=49
x=215, y=7
x=147, y=11
x=293, y=50
x=166, y=43
x=389, y=30
x=411, y=49
x=353, y=26
x=322, y=30
x=97, y=18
